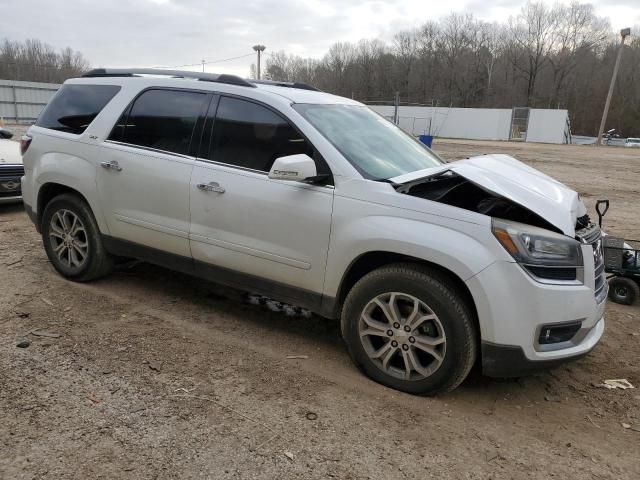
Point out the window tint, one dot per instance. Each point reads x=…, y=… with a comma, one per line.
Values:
x=252, y=136
x=74, y=107
x=161, y=119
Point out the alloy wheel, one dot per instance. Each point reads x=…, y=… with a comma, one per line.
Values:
x=402, y=336
x=68, y=237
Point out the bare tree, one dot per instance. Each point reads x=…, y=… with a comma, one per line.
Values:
x=36, y=61
x=492, y=35
x=578, y=30
x=558, y=56
x=532, y=38
x=405, y=47
x=368, y=55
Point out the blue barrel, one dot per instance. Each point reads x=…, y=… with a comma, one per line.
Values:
x=426, y=139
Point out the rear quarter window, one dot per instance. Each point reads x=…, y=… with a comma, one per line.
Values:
x=74, y=107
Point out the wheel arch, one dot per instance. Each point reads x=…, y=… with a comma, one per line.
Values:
x=370, y=261
x=48, y=191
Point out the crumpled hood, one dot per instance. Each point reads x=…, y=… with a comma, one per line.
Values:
x=505, y=176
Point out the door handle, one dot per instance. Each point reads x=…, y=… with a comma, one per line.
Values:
x=112, y=165
x=210, y=187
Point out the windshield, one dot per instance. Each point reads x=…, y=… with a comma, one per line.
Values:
x=633, y=140
x=377, y=148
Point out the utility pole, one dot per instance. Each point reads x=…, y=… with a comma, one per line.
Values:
x=396, y=108
x=259, y=49
x=624, y=33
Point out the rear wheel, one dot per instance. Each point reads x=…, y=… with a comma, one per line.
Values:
x=409, y=328
x=623, y=290
x=72, y=239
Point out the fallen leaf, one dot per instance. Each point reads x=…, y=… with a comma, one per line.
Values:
x=155, y=366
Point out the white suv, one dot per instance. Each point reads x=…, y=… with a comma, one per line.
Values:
x=314, y=200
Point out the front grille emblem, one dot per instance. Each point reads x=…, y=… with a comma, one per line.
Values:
x=10, y=185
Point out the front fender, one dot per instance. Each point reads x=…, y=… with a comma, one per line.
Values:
x=459, y=249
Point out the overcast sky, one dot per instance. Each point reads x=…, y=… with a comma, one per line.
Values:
x=177, y=32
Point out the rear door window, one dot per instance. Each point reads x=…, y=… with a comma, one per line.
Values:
x=161, y=119
x=74, y=107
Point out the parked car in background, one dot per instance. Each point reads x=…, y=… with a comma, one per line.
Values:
x=632, y=142
x=11, y=169
x=313, y=199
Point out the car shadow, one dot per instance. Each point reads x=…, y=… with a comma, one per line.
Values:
x=199, y=299
x=7, y=208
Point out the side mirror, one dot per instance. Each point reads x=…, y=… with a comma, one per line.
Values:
x=5, y=134
x=298, y=168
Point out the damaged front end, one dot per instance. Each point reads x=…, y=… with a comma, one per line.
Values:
x=452, y=189
x=542, y=223
x=498, y=186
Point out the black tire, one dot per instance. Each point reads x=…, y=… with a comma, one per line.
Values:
x=442, y=297
x=623, y=290
x=97, y=262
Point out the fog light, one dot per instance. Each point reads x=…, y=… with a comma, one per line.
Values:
x=558, y=333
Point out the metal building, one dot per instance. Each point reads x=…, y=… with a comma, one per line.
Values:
x=517, y=124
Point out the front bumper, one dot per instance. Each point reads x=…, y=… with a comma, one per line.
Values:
x=11, y=199
x=513, y=309
x=510, y=361
x=10, y=183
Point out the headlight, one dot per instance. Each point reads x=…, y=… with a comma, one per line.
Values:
x=545, y=254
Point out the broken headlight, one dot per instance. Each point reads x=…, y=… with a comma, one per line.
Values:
x=548, y=256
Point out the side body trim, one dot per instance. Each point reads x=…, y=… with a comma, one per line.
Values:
x=313, y=301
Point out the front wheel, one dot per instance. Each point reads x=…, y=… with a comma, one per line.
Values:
x=408, y=327
x=72, y=239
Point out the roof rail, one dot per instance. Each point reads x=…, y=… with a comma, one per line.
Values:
x=300, y=85
x=204, y=77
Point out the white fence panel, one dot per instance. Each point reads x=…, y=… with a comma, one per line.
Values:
x=22, y=102
x=546, y=126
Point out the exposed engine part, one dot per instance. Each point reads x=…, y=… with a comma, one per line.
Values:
x=452, y=189
x=582, y=222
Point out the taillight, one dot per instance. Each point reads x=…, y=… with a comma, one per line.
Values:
x=25, y=141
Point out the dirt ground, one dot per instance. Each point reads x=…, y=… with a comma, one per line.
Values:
x=151, y=374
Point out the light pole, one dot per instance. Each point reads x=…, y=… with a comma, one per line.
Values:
x=203, y=62
x=259, y=49
x=624, y=33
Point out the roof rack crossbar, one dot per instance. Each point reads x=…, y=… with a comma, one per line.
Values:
x=205, y=77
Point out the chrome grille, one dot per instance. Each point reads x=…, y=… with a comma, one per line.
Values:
x=592, y=235
x=11, y=171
